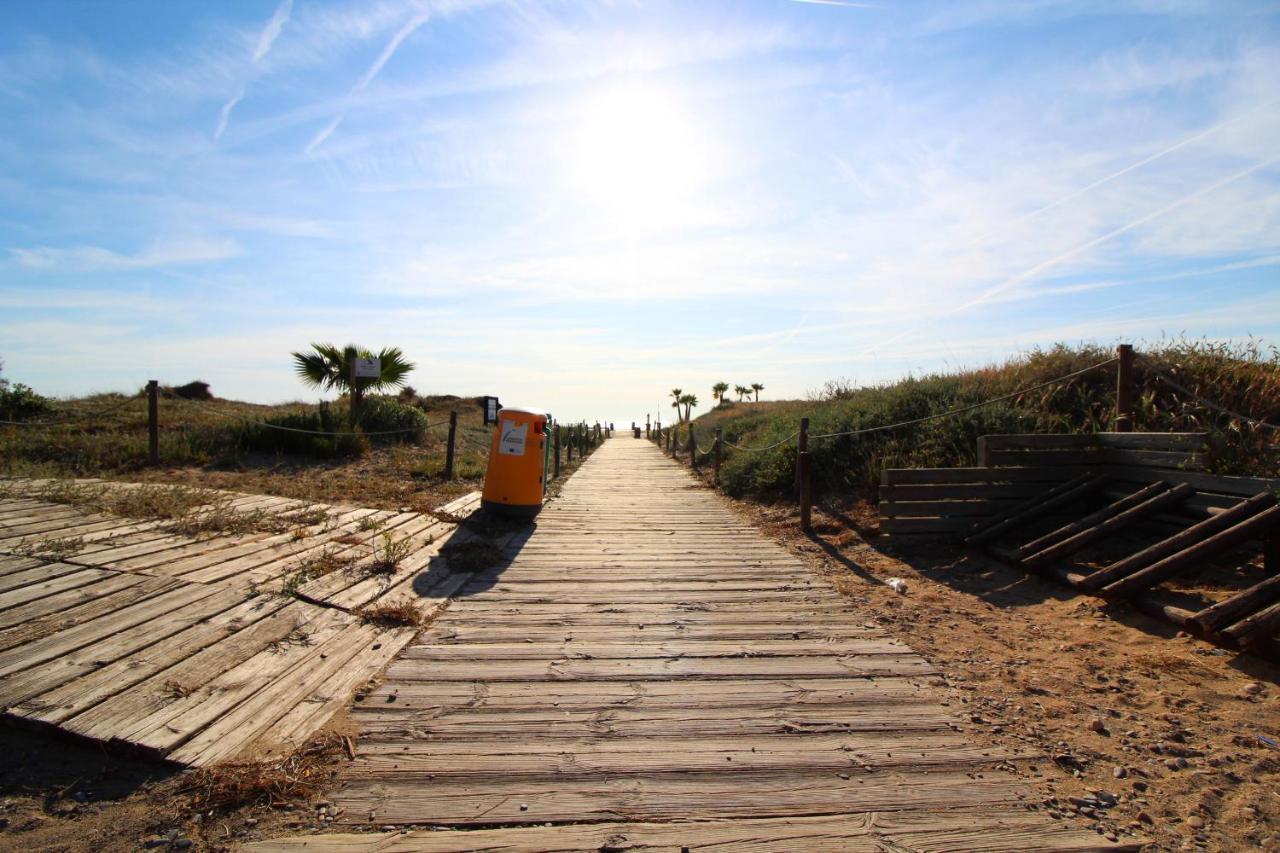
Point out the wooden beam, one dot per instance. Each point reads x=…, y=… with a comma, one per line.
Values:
x=1219, y=543
x=1178, y=542
x=1057, y=497
x=1130, y=515
x=1069, y=530
x=1253, y=630
x=1231, y=610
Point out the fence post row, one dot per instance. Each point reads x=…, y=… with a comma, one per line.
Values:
x=448, y=451
x=803, y=473
x=719, y=439
x=557, y=441
x=693, y=449
x=1124, y=388
x=153, y=421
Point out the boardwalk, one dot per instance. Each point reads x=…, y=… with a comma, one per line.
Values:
x=208, y=647
x=646, y=671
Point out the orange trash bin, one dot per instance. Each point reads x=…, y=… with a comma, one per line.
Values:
x=517, y=477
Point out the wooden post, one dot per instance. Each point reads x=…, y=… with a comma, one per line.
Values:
x=153, y=422
x=719, y=439
x=355, y=396
x=568, y=445
x=1124, y=388
x=693, y=448
x=557, y=441
x=984, y=452
x=448, y=451
x=804, y=474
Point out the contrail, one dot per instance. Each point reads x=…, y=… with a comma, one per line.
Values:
x=839, y=3
x=1013, y=281
x=1126, y=170
x=1142, y=220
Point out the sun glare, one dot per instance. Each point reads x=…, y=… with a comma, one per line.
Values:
x=638, y=156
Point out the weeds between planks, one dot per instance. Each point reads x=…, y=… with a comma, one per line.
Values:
x=471, y=556
x=388, y=553
x=52, y=548
x=294, y=778
x=397, y=614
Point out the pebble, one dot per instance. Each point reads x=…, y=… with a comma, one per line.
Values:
x=1096, y=725
x=1119, y=772
x=1145, y=818
x=1253, y=688
x=1195, y=822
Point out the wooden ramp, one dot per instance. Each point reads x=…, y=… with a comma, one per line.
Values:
x=647, y=672
x=207, y=647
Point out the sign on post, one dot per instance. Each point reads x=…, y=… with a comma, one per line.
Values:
x=368, y=368
x=491, y=406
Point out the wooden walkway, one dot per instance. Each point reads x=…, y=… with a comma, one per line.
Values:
x=647, y=671
x=201, y=649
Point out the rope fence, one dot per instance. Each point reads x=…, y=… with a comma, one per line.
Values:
x=579, y=438
x=1124, y=417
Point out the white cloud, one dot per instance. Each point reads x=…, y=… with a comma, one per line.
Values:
x=96, y=258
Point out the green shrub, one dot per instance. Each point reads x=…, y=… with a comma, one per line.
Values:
x=323, y=433
x=20, y=402
x=1242, y=378
x=386, y=415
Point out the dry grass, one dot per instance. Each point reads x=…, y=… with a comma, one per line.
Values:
x=295, y=778
x=471, y=556
x=388, y=554
x=396, y=614
x=51, y=548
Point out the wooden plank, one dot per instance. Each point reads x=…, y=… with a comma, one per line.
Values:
x=670, y=796
x=964, y=491
x=933, y=509
x=1051, y=501
x=992, y=830
x=962, y=524
x=937, y=476
x=1167, y=441
x=1119, y=504
x=1099, y=458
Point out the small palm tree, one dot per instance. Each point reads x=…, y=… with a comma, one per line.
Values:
x=757, y=387
x=689, y=401
x=328, y=367
x=719, y=390
x=676, y=394
x=741, y=391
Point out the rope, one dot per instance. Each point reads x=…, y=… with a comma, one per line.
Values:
x=1164, y=377
x=761, y=449
x=71, y=420
x=963, y=409
x=256, y=422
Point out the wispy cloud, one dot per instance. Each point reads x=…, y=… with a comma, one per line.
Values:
x=98, y=259
x=325, y=133
x=390, y=50
x=272, y=30
x=224, y=115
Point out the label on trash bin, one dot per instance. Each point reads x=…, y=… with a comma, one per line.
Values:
x=513, y=438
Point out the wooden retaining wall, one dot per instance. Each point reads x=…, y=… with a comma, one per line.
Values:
x=1016, y=468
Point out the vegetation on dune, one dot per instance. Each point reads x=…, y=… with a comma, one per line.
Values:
x=1242, y=378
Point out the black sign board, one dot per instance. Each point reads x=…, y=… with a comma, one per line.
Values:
x=491, y=406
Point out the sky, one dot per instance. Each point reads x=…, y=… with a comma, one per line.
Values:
x=580, y=205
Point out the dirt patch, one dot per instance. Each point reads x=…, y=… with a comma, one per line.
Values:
x=1145, y=730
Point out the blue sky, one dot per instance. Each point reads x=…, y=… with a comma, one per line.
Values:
x=582, y=204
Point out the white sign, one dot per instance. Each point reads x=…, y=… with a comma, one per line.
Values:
x=491, y=410
x=368, y=368
x=513, y=438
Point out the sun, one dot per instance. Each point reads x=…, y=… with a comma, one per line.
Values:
x=638, y=157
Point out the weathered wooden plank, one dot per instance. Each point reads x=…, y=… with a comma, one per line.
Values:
x=1166, y=441
x=671, y=796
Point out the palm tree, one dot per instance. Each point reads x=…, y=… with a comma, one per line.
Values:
x=676, y=393
x=689, y=401
x=741, y=391
x=757, y=387
x=328, y=367
x=719, y=390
